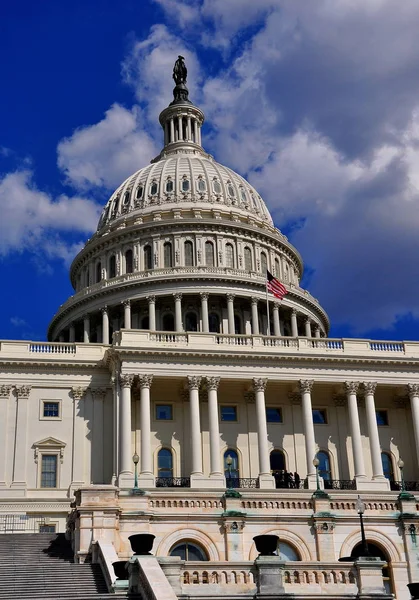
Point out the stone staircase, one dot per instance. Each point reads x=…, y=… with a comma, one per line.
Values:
x=41, y=565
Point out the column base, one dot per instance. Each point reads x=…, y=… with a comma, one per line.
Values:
x=364, y=484
x=312, y=482
x=146, y=480
x=126, y=480
x=266, y=482
x=198, y=480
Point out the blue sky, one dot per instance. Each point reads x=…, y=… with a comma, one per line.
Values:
x=316, y=103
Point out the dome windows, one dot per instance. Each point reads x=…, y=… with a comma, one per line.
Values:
x=154, y=188
x=185, y=185
x=230, y=190
x=127, y=197
x=169, y=186
x=140, y=191
x=243, y=195
x=202, y=186
x=216, y=186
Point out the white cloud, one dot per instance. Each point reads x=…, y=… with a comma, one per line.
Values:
x=104, y=154
x=18, y=322
x=33, y=220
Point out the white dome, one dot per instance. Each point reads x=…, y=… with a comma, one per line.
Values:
x=184, y=180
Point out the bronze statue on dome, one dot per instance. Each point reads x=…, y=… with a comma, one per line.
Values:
x=180, y=71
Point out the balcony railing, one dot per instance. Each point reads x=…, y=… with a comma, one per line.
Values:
x=339, y=484
x=182, y=482
x=25, y=524
x=234, y=483
x=409, y=486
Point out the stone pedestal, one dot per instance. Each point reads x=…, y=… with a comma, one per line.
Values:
x=269, y=576
x=172, y=567
x=370, y=577
x=266, y=482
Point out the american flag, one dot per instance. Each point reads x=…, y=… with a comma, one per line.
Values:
x=275, y=286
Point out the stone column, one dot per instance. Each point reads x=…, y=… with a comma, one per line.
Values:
x=308, y=328
x=180, y=128
x=294, y=325
x=195, y=425
x=98, y=437
x=195, y=126
x=61, y=337
x=79, y=436
x=72, y=333
x=310, y=443
x=255, y=316
x=189, y=129
x=152, y=313
x=4, y=401
x=375, y=449
x=230, y=313
x=351, y=388
x=146, y=466
x=126, y=478
x=178, y=312
x=204, y=312
x=21, y=433
x=265, y=478
x=413, y=391
x=105, y=325
x=127, y=314
x=277, y=324
x=172, y=130
x=317, y=332
x=214, y=431
x=86, y=329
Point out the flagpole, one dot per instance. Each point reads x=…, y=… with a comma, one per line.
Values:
x=267, y=306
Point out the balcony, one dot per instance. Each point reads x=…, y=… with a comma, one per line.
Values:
x=173, y=482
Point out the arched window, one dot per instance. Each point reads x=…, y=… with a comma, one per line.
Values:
x=387, y=466
x=247, y=259
x=127, y=197
x=169, y=186
x=229, y=256
x=189, y=254
x=185, y=185
x=324, y=468
x=129, y=263
x=216, y=186
x=263, y=263
x=209, y=254
x=231, y=465
x=376, y=550
x=243, y=195
x=98, y=271
x=112, y=266
x=148, y=263
x=237, y=325
x=140, y=190
x=188, y=551
x=202, y=186
x=167, y=254
x=154, y=188
x=168, y=322
x=165, y=463
x=145, y=323
x=191, y=322
x=214, y=323
x=287, y=552
x=277, y=461
x=277, y=268
x=230, y=190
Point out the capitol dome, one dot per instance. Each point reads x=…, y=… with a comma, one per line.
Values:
x=182, y=245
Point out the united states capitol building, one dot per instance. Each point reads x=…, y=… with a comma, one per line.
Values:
x=164, y=402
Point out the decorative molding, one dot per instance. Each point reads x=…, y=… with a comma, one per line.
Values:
x=323, y=526
x=177, y=296
x=213, y=383
x=125, y=380
x=306, y=385
x=194, y=382
x=98, y=394
x=413, y=390
x=255, y=300
x=145, y=381
x=126, y=303
x=259, y=384
x=249, y=396
x=295, y=398
x=230, y=297
x=233, y=526
x=340, y=400
x=5, y=390
x=351, y=387
x=78, y=392
x=23, y=391
x=204, y=296
x=369, y=387
x=151, y=299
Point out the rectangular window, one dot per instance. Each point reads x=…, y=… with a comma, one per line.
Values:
x=319, y=416
x=164, y=412
x=273, y=415
x=228, y=413
x=49, y=471
x=51, y=409
x=382, y=417
x=47, y=529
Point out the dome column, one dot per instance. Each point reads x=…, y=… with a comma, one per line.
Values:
x=317, y=332
x=230, y=314
x=265, y=478
x=307, y=410
x=195, y=127
x=351, y=388
x=180, y=128
x=105, y=325
x=178, y=312
x=172, y=130
x=127, y=314
x=277, y=324
x=152, y=313
x=195, y=425
x=72, y=333
x=189, y=129
x=126, y=478
x=307, y=324
x=255, y=316
x=294, y=325
x=204, y=312
x=146, y=477
x=86, y=329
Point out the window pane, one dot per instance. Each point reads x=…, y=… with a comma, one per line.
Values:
x=228, y=413
x=287, y=552
x=201, y=185
x=165, y=463
x=263, y=262
x=209, y=254
x=128, y=261
x=51, y=409
x=164, y=412
x=247, y=259
x=231, y=464
x=229, y=256
x=273, y=415
x=277, y=460
x=382, y=417
x=147, y=257
x=387, y=466
x=49, y=471
x=319, y=416
x=324, y=465
x=167, y=251
x=188, y=254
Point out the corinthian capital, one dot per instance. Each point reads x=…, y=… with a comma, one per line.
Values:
x=98, y=393
x=259, y=384
x=125, y=380
x=413, y=389
x=78, y=392
x=194, y=382
x=212, y=383
x=306, y=385
x=23, y=391
x=145, y=381
x=5, y=391
x=369, y=387
x=351, y=387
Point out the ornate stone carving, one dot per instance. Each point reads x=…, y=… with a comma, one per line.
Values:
x=323, y=526
x=104, y=310
x=204, y=296
x=23, y=391
x=295, y=398
x=78, y=392
x=413, y=389
x=233, y=526
x=249, y=396
x=230, y=297
x=255, y=300
x=98, y=393
x=151, y=299
x=126, y=380
x=177, y=296
x=127, y=303
x=194, y=382
x=306, y=386
x=5, y=391
x=213, y=383
x=351, y=387
x=145, y=381
x=369, y=387
x=259, y=384
x=340, y=400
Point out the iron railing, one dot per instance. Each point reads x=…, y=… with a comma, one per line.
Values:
x=288, y=482
x=339, y=484
x=25, y=524
x=183, y=482
x=409, y=486
x=234, y=483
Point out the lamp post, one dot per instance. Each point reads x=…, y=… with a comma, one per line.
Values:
x=360, y=506
x=229, y=461
x=403, y=494
x=135, y=460
x=316, y=463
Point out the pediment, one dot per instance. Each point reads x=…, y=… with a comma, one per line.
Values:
x=49, y=442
